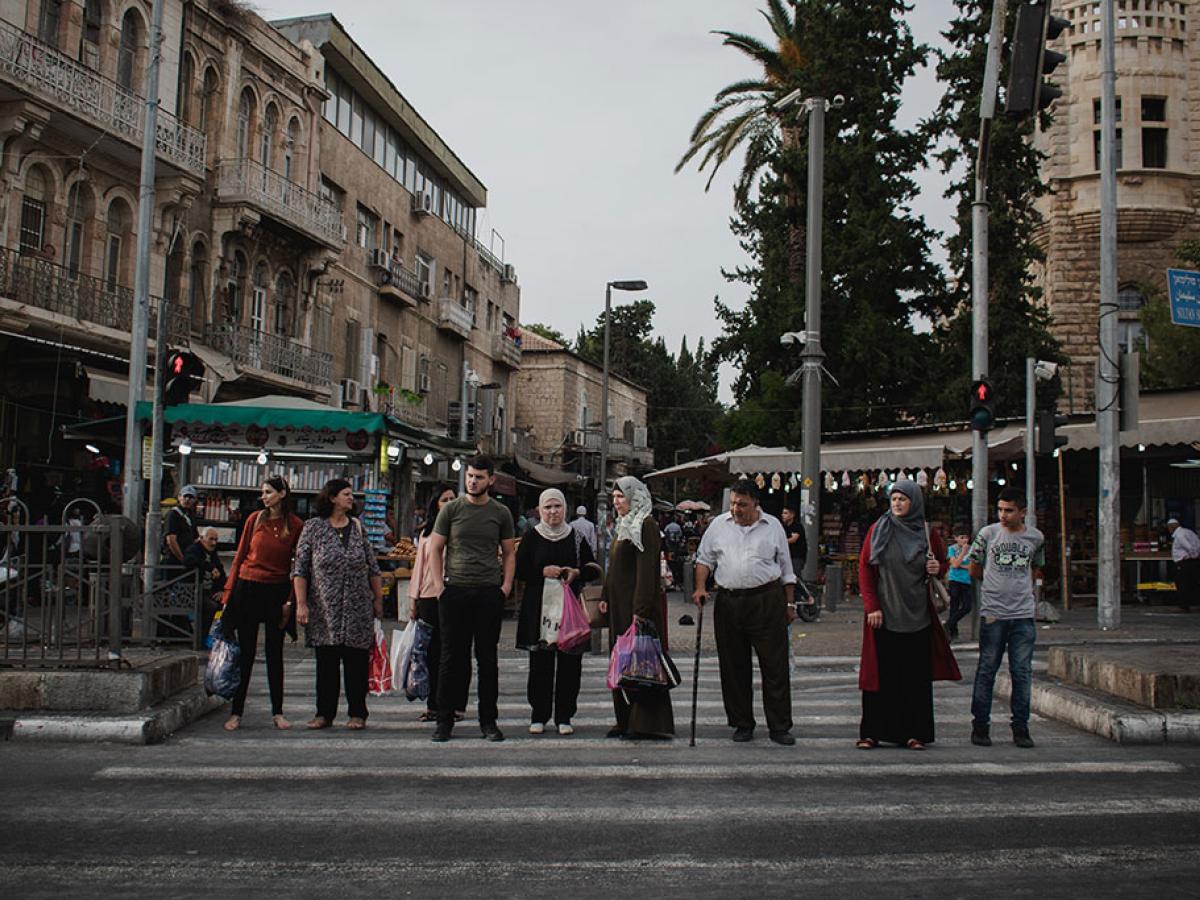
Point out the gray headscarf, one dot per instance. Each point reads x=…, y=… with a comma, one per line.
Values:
x=908, y=532
x=629, y=526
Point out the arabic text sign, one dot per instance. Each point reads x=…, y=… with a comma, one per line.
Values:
x=1184, y=287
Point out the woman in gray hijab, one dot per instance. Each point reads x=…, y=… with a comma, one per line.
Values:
x=904, y=647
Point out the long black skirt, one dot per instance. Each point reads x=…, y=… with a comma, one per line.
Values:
x=902, y=708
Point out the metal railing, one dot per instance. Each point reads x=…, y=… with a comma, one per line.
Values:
x=506, y=351
x=45, y=285
x=453, y=316
x=50, y=74
x=244, y=180
x=270, y=353
x=396, y=276
x=487, y=257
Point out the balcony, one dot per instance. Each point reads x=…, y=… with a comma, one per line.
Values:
x=620, y=449
x=506, y=352
x=43, y=285
x=452, y=316
x=244, y=181
x=643, y=456
x=587, y=439
x=271, y=353
x=39, y=70
x=401, y=284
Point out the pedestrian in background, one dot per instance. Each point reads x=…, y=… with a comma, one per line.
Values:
x=202, y=558
x=585, y=528
x=551, y=554
x=474, y=549
x=632, y=591
x=1006, y=557
x=179, y=527
x=338, y=596
x=904, y=648
x=424, y=588
x=959, y=580
x=1185, y=554
x=258, y=589
x=747, y=552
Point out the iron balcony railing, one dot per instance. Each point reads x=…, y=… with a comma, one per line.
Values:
x=43, y=71
x=487, y=257
x=506, y=351
x=45, y=285
x=396, y=276
x=453, y=316
x=272, y=353
x=246, y=181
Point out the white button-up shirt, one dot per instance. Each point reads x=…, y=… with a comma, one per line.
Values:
x=746, y=556
x=1184, y=544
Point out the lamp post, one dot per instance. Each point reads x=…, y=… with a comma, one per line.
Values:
x=602, y=480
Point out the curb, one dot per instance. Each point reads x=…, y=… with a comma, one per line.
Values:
x=1088, y=710
x=149, y=727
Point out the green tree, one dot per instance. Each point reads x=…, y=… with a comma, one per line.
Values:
x=1018, y=323
x=877, y=275
x=1170, y=353
x=550, y=334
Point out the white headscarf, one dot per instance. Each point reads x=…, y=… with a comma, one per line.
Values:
x=563, y=528
x=629, y=526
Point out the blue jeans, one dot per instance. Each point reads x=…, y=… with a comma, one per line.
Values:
x=1017, y=636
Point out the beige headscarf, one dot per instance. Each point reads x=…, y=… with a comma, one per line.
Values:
x=563, y=528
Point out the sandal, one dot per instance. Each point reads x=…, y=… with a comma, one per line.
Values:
x=866, y=744
x=317, y=722
x=233, y=723
x=356, y=724
x=914, y=744
x=281, y=723
x=428, y=716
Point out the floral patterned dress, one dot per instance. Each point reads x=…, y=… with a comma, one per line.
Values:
x=340, y=599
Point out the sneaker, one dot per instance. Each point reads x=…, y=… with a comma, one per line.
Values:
x=743, y=735
x=565, y=728
x=442, y=733
x=980, y=736
x=535, y=728
x=1021, y=737
x=783, y=737
x=492, y=733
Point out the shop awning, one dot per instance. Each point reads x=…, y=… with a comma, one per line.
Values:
x=270, y=412
x=107, y=387
x=1170, y=417
x=546, y=475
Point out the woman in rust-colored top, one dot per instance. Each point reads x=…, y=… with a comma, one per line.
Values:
x=258, y=591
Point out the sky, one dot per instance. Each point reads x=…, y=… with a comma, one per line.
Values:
x=574, y=114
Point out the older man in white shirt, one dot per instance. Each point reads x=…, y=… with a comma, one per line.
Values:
x=747, y=551
x=1185, y=553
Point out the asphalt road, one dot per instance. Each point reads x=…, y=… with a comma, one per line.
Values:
x=387, y=813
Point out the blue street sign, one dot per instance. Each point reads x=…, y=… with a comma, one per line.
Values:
x=1184, y=287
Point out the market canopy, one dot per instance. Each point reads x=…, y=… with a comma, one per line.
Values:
x=279, y=412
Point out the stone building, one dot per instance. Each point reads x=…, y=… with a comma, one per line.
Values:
x=1158, y=187
x=559, y=417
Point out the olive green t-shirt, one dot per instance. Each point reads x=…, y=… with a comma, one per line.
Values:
x=473, y=535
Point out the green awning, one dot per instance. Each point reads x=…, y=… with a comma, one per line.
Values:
x=314, y=416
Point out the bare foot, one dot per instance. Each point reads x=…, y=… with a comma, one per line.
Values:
x=234, y=723
x=356, y=724
x=281, y=723
x=317, y=722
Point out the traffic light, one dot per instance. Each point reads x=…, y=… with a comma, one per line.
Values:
x=1047, y=440
x=183, y=374
x=983, y=405
x=1030, y=60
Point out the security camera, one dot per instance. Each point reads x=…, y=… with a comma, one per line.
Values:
x=792, y=337
x=838, y=101
x=787, y=101
x=1044, y=370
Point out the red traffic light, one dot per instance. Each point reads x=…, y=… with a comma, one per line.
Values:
x=983, y=413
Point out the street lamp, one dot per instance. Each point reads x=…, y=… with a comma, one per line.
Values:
x=602, y=498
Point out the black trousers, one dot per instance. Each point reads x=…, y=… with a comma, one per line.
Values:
x=427, y=611
x=1187, y=582
x=355, y=663
x=758, y=622
x=258, y=603
x=962, y=598
x=902, y=708
x=469, y=615
x=549, y=695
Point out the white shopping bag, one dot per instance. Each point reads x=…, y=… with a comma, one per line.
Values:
x=402, y=644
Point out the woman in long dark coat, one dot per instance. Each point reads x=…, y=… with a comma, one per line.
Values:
x=551, y=552
x=632, y=589
x=904, y=647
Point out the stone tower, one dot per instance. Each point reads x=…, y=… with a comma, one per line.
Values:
x=1158, y=150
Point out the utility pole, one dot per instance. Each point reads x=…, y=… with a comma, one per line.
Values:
x=602, y=478
x=1108, y=582
x=1030, y=460
x=157, y=425
x=462, y=418
x=131, y=501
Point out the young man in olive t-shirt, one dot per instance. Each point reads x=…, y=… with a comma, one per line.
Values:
x=471, y=535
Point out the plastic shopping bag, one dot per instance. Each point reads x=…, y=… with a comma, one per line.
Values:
x=416, y=680
x=574, y=632
x=223, y=675
x=380, y=678
x=401, y=648
x=620, y=657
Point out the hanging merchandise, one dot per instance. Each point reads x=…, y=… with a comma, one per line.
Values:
x=776, y=482
x=882, y=482
x=939, y=478
x=760, y=481
x=846, y=479
x=830, y=484
x=922, y=479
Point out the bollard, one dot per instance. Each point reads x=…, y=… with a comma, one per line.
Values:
x=833, y=586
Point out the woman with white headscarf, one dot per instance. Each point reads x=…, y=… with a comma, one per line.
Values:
x=904, y=648
x=632, y=590
x=550, y=553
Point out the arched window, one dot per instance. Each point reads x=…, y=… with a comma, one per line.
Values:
x=285, y=304
x=33, y=210
x=258, y=299
x=266, y=138
x=89, y=38
x=173, y=276
x=49, y=21
x=197, y=305
x=128, y=58
x=245, y=123
x=236, y=287
x=186, y=73
x=208, y=98
x=116, y=246
x=79, y=218
x=291, y=147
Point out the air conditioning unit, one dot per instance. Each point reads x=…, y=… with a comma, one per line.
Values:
x=578, y=438
x=426, y=290
x=351, y=392
x=378, y=259
x=422, y=204
x=424, y=383
x=510, y=274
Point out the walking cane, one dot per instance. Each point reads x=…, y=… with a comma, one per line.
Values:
x=696, y=673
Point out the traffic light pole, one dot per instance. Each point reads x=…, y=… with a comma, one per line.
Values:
x=154, y=496
x=813, y=357
x=1030, y=459
x=1108, y=581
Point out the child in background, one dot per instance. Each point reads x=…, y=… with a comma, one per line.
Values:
x=959, y=578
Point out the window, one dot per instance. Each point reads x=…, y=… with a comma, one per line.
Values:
x=51, y=15
x=367, y=227
x=353, y=341
x=331, y=192
x=89, y=39
x=285, y=294
x=80, y=212
x=322, y=333
x=1154, y=148
x=1154, y=109
x=127, y=57
x=196, y=293
x=119, y=222
x=329, y=107
x=33, y=212
x=185, y=89
x=289, y=147
x=425, y=270
x=1097, y=137
x=368, y=141
x=209, y=98
x=380, y=150
x=258, y=299
x=245, y=123
x=266, y=140
x=356, y=120
x=1131, y=335
x=173, y=274
x=343, y=108
x=1096, y=111
x=236, y=287
x=446, y=291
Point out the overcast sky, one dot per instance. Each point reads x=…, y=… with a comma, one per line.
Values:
x=573, y=114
